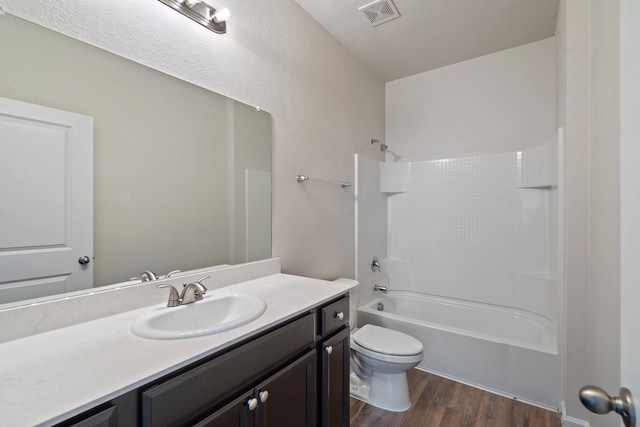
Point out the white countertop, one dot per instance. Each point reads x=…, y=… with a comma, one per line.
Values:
x=49, y=377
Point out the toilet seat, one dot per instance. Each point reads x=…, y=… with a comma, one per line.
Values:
x=386, y=344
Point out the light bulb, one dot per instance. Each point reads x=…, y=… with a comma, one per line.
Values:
x=221, y=15
x=191, y=3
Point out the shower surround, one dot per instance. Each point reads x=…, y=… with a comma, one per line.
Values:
x=480, y=228
x=472, y=232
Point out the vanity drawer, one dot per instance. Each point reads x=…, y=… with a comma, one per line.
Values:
x=105, y=418
x=181, y=399
x=334, y=316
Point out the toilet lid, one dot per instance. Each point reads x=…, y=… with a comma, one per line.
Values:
x=387, y=341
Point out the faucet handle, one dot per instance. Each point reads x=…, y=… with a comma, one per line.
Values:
x=199, y=282
x=174, y=297
x=375, y=264
x=171, y=273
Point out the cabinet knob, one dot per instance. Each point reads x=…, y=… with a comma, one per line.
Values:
x=263, y=396
x=252, y=403
x=339, y=315
x=329, y=349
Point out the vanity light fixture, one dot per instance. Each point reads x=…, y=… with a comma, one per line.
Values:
x=202, y=13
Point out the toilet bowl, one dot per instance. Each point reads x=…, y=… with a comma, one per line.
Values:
x=380, y=359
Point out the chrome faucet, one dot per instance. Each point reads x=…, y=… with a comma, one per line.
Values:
x=380, y=288
x=191, y=292
x=146, y=276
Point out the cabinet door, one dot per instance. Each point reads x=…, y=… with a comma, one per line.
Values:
x=334, y=398
x=195, y=393
x=291, y=399
x=235, y=414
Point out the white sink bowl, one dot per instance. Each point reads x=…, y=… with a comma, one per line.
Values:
x=215, y=313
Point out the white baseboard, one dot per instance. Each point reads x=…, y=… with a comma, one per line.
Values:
x=568, y=421
x=573, y=422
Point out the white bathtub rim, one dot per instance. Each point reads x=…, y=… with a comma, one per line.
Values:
x=516, y=312
x=368, y=307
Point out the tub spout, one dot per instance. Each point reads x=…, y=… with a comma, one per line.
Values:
x=380, y=288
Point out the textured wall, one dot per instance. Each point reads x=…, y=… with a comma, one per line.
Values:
x=325, y=105
x=495, y=103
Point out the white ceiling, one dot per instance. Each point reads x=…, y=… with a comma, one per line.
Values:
x=433, y=33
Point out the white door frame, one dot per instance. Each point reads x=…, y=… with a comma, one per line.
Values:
x=630, y=195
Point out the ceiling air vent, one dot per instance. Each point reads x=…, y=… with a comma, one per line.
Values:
x=380, y=11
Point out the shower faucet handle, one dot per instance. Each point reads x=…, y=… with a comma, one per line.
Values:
x=375, y=264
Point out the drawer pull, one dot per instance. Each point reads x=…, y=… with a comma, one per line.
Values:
x=339, y=315
x=263, y=395
x=329, y=350
x=252, y=403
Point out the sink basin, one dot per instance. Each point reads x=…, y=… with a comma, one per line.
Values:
x=214, y=314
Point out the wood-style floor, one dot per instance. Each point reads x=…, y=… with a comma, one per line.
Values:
x=439, y=402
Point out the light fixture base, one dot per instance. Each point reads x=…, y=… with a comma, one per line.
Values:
x=199, y=12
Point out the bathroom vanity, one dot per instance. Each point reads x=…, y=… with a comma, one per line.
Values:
x=289, y=367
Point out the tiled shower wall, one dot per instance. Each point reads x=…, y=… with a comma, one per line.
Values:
x=481, y=229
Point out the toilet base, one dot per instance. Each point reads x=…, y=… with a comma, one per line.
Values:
x=382, y=390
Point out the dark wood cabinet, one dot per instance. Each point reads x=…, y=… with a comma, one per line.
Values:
x=103, y=418
x=334, y=401
x=235, y=414
x=287, y=398
x=120, y=411
x=294, y=375
x=334, y=364
x=186, y=397
x=291, y=396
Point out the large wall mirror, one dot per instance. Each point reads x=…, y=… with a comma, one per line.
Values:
x=181, y=175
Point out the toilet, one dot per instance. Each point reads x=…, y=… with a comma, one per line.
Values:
x=380, y=359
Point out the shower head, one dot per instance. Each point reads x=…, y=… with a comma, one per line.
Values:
x=383, y=146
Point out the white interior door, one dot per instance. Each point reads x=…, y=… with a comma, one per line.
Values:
x=630, y=195
x=46, y=201
x=626, y=403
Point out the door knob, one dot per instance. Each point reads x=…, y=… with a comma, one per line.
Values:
x=597, y=400
x=84, y=260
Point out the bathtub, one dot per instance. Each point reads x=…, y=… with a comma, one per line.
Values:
x=506, y=351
